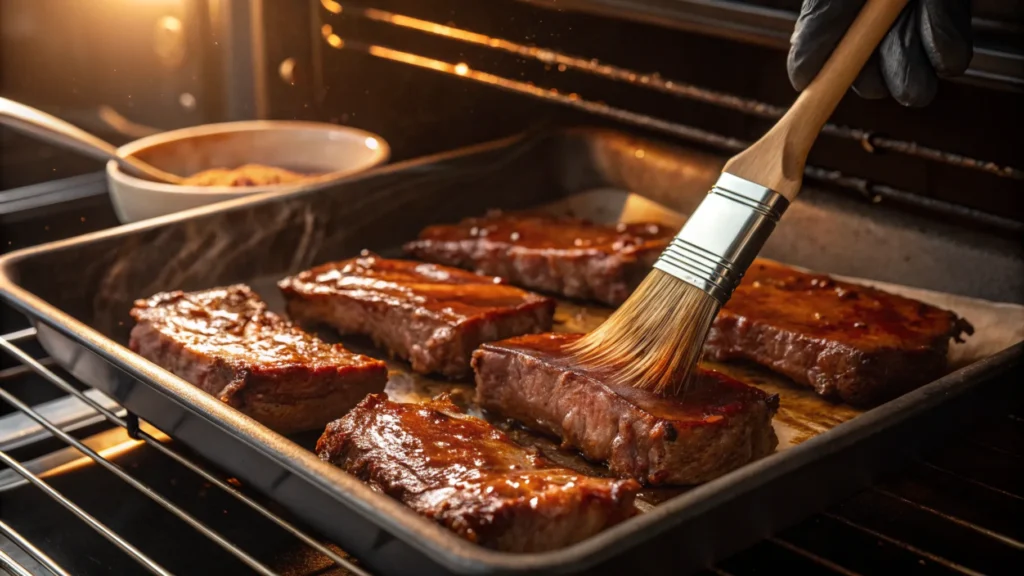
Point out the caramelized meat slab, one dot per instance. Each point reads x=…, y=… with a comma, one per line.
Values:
x=227, y=343
x=717, y=425
x=567, y=256
x=434, y=316
x=470, y=477
x=850, y=342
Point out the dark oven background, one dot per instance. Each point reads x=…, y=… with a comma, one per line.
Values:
x=373, y=64
x=431, y=76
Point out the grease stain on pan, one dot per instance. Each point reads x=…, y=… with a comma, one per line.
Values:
x=802, y=413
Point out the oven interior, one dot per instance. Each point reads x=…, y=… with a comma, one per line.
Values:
x=435, y=76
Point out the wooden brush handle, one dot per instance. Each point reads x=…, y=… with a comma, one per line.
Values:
x=777, y=159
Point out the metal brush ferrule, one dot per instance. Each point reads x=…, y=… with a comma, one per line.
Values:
x=722, y=237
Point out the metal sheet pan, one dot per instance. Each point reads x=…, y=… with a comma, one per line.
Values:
x=79, y=292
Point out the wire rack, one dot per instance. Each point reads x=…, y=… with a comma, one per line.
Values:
x=12, y=345
x=870, y=142
x=952, y=514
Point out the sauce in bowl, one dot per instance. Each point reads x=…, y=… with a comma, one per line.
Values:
x=247, y=175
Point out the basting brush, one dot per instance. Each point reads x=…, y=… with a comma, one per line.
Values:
x=654, y=340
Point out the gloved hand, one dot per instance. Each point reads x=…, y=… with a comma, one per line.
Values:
x=930, y=39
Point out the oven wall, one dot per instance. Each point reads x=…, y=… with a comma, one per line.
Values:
x=121, y=69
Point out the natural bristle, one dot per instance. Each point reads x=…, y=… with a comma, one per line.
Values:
x=654, y=340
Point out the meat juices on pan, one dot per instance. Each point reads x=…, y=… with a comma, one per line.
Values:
x=432, y=315
x=716, y=426
x=468, y=476
x=226, y=342
x=568, y=256
x=854, y=343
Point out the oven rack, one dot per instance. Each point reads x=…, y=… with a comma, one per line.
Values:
x=870, y=142
x=792, y=549
x=770, y=24
x=10, y=345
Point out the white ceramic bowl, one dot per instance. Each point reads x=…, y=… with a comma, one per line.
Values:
x=305, y=147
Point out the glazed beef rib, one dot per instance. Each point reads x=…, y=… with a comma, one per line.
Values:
x=470, y=477
x=228, y=344
x=717, y=425
x=849, y=342
x=434, y=316
x=566, y=256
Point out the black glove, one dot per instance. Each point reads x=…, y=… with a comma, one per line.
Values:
x=930, y=39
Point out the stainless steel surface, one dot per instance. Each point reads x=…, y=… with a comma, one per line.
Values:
x=239, y=26
x=106, y=442
x=68, y=413
x=9, y=565
x=31, y=550
x=20, y=335
x=723, y=235
x=64, y=134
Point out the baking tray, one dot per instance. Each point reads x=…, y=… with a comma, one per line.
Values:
x=78, y=293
